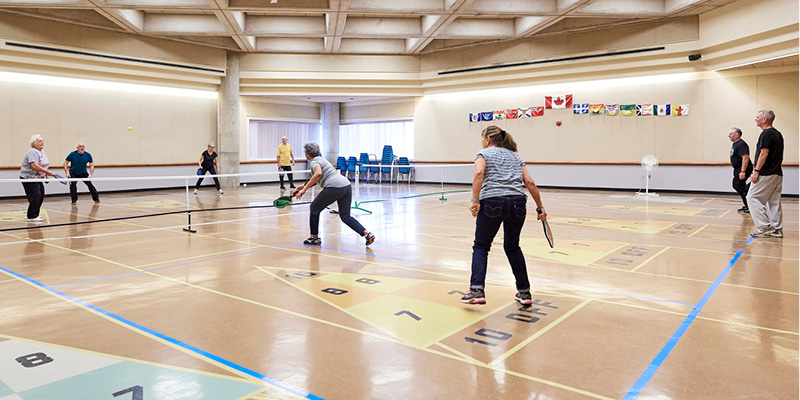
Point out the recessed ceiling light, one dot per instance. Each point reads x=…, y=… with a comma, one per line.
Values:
x=273, y=1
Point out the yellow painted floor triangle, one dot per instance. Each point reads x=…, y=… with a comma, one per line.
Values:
x=419, y=312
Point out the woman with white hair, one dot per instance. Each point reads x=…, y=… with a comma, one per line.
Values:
x=34, y=167
x=335, y=187
x=208, y=163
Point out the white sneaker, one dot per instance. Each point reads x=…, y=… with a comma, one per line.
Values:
x=219, y=191
x=37, y=219
x=763, y=232
x=195, y=191
x=776, y=233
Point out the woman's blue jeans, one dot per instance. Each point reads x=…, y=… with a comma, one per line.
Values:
x=509, y=211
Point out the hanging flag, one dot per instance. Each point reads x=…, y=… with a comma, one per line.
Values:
x=661, y=109
x=644, y=110
x=562, y=101
x=537, y=111
x=474, y=117
x=524, y=112
x=596, y=109
x=499, y=114
x=612, y=109
x=512, y=113
x=680, y=110
x=580, y=108
x=628, y=110
x=487, y=116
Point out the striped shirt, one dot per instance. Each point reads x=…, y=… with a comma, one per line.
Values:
x=503, y=173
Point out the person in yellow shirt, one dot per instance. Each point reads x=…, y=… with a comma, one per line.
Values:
x=285, y=160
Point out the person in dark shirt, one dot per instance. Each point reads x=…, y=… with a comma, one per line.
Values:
x=742, y=167
x=208, y=163
x=75, y=167
x=764, y=197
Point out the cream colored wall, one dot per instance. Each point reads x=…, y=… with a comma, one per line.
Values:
x=634, y=36
x=46, y=32
x=383, y=110
x=717, y=102
x=166, y=129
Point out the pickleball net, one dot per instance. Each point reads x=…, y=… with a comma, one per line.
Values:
x=170, y=201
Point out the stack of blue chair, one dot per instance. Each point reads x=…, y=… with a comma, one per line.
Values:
x=341, y=165
x=351, y=167
x=387, y=159
x=363, y=161
x=407, y=171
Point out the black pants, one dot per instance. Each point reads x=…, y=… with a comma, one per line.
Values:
x=342, y=196
x=741, y=187
x=34, y=191
x=73, y=187
x=213, y=172
x=291, y=176
x=509, y=211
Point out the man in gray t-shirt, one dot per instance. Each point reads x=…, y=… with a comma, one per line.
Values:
x=335, y=187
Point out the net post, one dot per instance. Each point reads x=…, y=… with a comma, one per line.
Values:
x=188, y=210
x=356, y=197
x=441, y=175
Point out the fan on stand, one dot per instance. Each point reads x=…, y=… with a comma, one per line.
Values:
x=649, y=164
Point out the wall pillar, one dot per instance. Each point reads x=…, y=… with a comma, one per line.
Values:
x=330, y=131
x=228, y=122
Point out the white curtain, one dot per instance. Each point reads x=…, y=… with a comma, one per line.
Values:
x=370, y=137
x=265, y=137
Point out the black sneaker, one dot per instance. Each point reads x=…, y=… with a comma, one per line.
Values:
x=370, y=238
x=313, y=241
x=283, y=187
x=744, y=210
x=523, y=298
x=475, y=296
x=292, y=186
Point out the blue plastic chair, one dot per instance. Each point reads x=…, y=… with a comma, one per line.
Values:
x=363, y=160
x=341, y=165
x=374, y=171
x=407, y=171
x=351, y=167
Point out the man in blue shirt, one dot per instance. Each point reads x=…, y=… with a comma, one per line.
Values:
x=75, y=167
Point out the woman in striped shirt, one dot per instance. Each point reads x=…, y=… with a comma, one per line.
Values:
x=498, y=197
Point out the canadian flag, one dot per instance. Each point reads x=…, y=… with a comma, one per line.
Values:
x=562, y=101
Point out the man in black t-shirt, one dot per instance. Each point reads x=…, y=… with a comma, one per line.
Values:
x=764, y=197
x=742, y=167
x=208, y=162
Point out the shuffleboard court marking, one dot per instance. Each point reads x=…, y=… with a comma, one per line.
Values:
x=187, y=348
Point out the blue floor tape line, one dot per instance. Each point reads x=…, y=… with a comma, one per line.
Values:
x=750, y=240
x=673, y=340
x=187, y=346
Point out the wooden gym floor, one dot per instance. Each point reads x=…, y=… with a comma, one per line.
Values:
x=664, y=299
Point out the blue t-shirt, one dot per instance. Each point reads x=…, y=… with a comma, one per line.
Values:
x=78, y=162
x=503, y=173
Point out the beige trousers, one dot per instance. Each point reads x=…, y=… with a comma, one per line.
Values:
x=764, y=200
